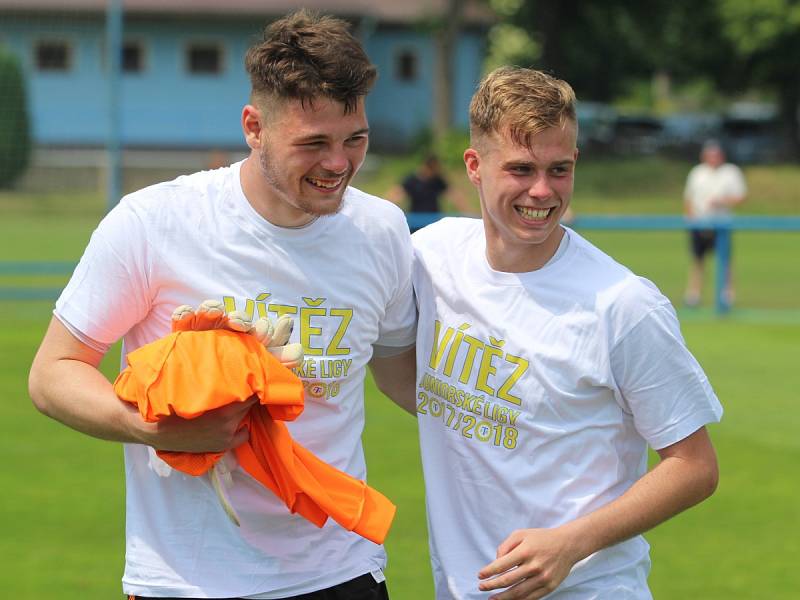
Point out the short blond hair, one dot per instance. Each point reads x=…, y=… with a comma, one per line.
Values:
x=523, y=102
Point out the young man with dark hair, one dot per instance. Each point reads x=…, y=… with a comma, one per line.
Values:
x=544, y=371
x=278, y=233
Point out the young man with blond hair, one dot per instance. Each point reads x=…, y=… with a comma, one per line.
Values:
x=278, y=233
x=545, y=369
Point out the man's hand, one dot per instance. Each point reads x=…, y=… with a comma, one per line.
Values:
x=211, y=315
x=217, y=430
x=531, y=563
x=220, y=429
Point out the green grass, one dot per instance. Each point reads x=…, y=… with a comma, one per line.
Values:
x=63, y=493
x=63, y=501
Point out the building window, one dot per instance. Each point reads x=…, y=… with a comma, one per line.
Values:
x=132, y=57
x=204, y=59
x=406, y=66
x=52, y=55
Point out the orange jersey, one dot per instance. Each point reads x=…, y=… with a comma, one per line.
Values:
x=189, y=372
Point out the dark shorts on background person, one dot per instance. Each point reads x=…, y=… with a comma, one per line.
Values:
x=702, y=241
x=361, y=588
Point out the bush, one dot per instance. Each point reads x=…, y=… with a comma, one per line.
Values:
x=15, y=139
x=449, y=147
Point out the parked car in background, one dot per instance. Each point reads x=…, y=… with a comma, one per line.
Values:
x=683, y=133
x=750, y=133
x=595, y=126
x=637, y=134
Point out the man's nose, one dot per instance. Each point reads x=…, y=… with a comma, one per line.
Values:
x=540, y=187
x=335, y=161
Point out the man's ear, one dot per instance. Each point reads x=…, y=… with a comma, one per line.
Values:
x=472, y=161
x=252, y=126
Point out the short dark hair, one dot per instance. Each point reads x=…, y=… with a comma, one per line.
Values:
x=305, y=55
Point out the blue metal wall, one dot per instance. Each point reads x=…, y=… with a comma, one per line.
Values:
x=164, y=105
x=399, y=109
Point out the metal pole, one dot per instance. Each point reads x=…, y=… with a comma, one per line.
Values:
x=113, y=143
x=723, y=251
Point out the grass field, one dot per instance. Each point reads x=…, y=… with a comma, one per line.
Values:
x=63, y=501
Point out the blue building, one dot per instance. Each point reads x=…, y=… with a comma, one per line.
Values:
x=183, y=82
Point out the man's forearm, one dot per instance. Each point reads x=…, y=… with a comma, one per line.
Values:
x=65, y=384
x=680, y=480
x=536, y=561
x=395, y=377
x=79, y=396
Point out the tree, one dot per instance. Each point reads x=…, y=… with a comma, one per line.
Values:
x=766, y=38
x=602, y=47
x=599, y=47
x=446, y=38
x=15, y=142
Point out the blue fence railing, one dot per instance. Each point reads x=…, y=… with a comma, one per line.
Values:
x=723, y=227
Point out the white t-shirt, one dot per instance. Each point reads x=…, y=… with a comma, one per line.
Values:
x=346, y=279
x=538, y=394
x=705, y=183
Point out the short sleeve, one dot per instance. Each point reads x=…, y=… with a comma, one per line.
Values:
x=691, y=182
x=659, y=381
x=108, y=291
x=398, y=328
x=738, y=186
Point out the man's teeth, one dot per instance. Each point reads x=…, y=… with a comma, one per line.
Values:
x=533, y=213
x=323, y=183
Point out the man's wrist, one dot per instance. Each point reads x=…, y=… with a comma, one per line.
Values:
x=582, y=535
x=135, y=429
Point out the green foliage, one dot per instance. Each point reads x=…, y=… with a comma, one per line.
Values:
x=758, y=26
x=597, y=47
x=766, y=38
x=510, y=44
x=610, y=49
x=449, y=147
x=15, y=140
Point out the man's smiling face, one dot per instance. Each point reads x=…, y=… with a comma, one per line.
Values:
x=308, y=154
x=524, y=192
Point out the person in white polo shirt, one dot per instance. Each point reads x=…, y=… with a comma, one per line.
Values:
x=713, y=188
x=544, y=372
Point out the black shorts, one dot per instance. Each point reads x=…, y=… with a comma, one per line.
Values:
x=702, y=241
x=360, y=588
